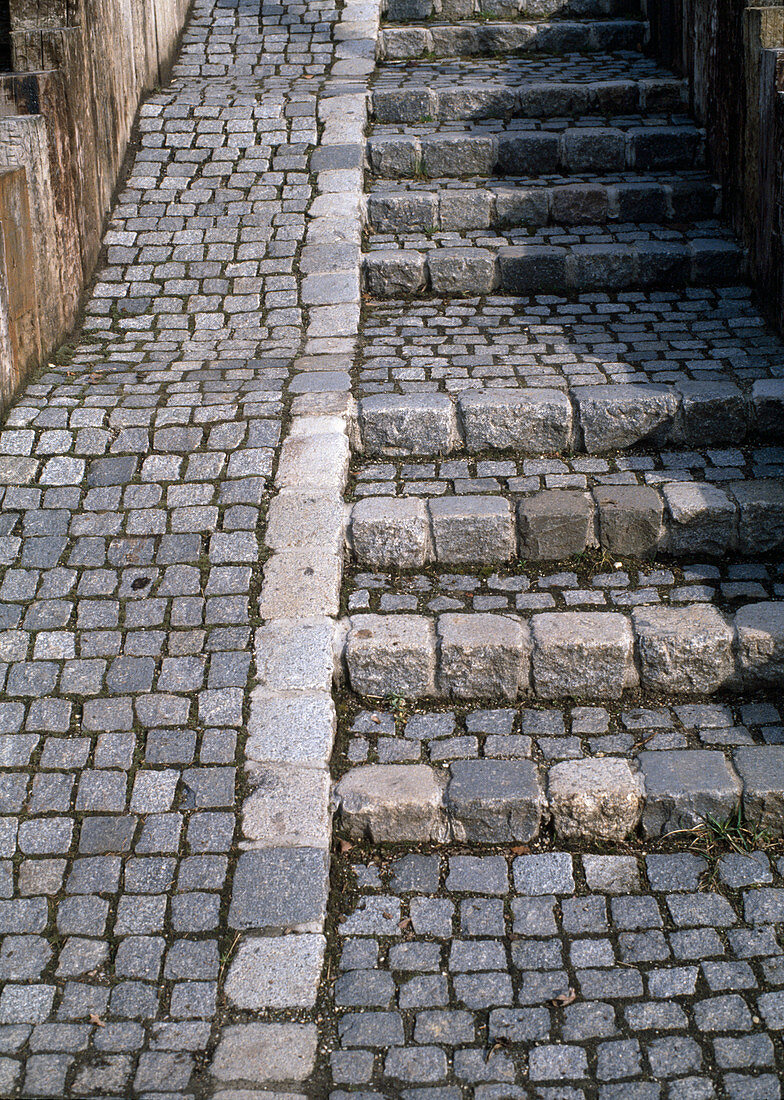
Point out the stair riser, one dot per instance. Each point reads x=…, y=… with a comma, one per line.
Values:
x=468, y=272
x=562, y=655
x=599, y=149
x=554, y=525
x=490, y=39
x=555, y=100
x=590, y=419
x=533, y=207
x=404, y=11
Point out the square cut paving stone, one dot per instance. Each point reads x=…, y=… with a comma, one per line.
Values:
x=483, y=656
x=684, y=650
x=297, y=521
x=470, y=529
x=761, y=770
x=301, y=584
x=408, y=424
x=391, y=532
x=760, y=633
x=296, y=655
x=279, y=889
x=615, y=417
x=595, y=800
x=532, y=421
x=701, y=519
x=761, y=515
x=630, y=520
x=555, y=524
x=311, y=462
x=685, y=787
x=276, y=972
x=392, y=803
x=289, y=806
x=495, y=801
x=543, y=875
x=392, y=655
x=261, y=1054
x=291, y=729
x=582, y=654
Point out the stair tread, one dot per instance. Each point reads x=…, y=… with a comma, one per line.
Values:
x=494, y=127
x=621, y=236
x=572, y=67
x=382, y=186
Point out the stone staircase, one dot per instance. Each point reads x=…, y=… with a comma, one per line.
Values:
x=566, y=486
x=541, y=153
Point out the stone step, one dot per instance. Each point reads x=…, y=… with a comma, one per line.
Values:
x=610, y=260
x=485, y=39
x=678, y=519
x=665, y=146
x=416, y=101
x=405, y=11
x=596, y=799
x=594, y=419
x=658, y=198
x=677, y=651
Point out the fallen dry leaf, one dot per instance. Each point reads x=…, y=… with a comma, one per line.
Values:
x=96, y=1019
x=565, y=998
x=521, y=850
x=345, y=846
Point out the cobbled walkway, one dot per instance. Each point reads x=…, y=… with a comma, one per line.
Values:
x=558, y=646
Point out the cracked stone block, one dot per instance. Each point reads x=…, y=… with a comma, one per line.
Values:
x=289, y=806
x=701, y=519
x=472, y=529
x=761, y=515
x=595, y=800
x=396, y=273
x=265, y=1053
x=616, y=417
x=483, y=656
x=767, y=396
x=532, y=420
x=684, y=787
x=555, y=524
x=712, y=412
x=630, y=520
x=684, y=650
x=462, y=272
x=761, y=770
x=391, y=532
x=276, y=972
x=392, y=655
x=582, y=654
x=392, y=803
x=495, y=801
x=421, y=423
x=760, y=633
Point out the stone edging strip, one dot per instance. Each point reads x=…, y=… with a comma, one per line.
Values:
x=595, y=800
x=587, y=655
x=280, y=887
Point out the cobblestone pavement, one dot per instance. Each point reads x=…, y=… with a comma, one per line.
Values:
x=135, y=481
x=559, y=977
x=546, y=341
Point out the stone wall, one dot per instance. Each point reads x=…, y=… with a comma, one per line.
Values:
x=731, y=52
x=81, y=68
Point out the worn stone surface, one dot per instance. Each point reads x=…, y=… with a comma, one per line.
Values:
x=684, y=788
x=261, y=1054
x=276, y=972
x=760, y=632
x=469, y=529
x=392, y=803
x=582, y=654
x=761, y=770
x=483, y=655
x=494, y=801
x=391, y=656
x=686, y=650
x=594, y=800
x=388, y=531
x=555, y=525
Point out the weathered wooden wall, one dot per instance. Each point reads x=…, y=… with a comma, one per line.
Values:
x=728, y=51
x=81, y=68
